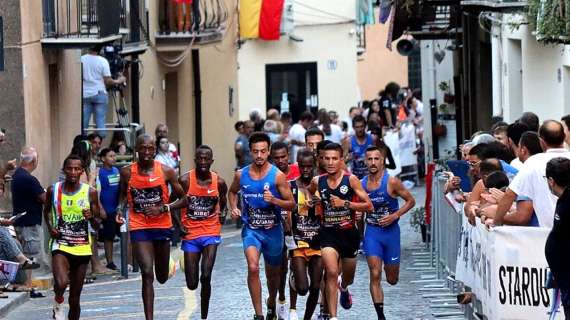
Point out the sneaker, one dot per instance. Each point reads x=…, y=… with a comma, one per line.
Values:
x=281, y=310
x=323, y=316
x=271, y=315
x=58, y=312
x=112, y=266
x=293, y=314
x=345, y=296
x=256, y=317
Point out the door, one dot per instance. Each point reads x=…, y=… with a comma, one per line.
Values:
x=292, y=87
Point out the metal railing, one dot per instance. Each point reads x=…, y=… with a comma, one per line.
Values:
x=82, y=18
x=203, y=17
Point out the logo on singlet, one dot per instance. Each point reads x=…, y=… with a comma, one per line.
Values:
x=343, y=189
x=153, y=179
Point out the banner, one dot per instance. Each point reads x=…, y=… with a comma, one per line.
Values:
x=408, y=145
x=393, y=142
x=506, y=270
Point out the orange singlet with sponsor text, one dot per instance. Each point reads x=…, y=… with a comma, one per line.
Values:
x=201, y=217
x=147, y=191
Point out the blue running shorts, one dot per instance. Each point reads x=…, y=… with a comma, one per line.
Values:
x=383, y=243
x=268, y=242
x=197, y=245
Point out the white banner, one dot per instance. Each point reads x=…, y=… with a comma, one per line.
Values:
x=392, y=141
x=408, y=145
x=506, y=270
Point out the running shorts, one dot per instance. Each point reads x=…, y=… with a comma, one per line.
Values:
x=197, y=245
x=269, y=242
x=73, y=260
x=306, y=253
x=383, y=243
x=345, y=241
x=151, y=235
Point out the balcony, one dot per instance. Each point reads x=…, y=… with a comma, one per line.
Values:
x=495, y=5
x=73, y=24
x=181, y=25
x=436, y=19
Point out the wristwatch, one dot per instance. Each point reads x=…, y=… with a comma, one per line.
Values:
x=166, y=208
x=347, y=204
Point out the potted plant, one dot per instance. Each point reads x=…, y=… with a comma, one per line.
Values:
x=448, y=97
x=440, y=130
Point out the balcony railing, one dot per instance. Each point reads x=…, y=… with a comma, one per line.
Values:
x=201, y=22
x=496, y=5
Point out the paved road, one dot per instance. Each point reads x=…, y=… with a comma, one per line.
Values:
x=110, y=299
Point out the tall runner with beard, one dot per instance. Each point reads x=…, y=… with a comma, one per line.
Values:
x=265, y=193
x=305, y=222
x=144, y=184
x=280, y=158
x=202, y=223
x=341, y=196
x=71, y=206
x=382, y=235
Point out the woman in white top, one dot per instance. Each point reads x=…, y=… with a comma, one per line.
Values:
x=163, y=154
x=332, y=132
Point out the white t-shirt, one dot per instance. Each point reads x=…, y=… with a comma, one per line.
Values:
x=95, y=68
x=297, y=132
x=531, y=182
x=336, y=133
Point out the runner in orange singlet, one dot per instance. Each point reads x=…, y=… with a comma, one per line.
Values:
x=144, y=184
x=202, y=222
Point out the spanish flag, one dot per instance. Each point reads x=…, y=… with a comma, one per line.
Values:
x=260, y=19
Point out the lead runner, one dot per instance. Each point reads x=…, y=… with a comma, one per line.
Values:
x=265, y=193
x=382, y=235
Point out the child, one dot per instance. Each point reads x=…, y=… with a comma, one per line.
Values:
x=109, y=197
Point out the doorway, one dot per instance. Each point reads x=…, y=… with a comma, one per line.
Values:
x=292, y=87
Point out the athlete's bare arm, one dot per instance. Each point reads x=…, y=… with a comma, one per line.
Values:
x=397, y=189
x=93, y=213
x=47, y=214
x=233, y=195
x=124, y=184
x=287, y=202
x=365, y=204
x=172, y=178
x=223, y=193
x=184, y=182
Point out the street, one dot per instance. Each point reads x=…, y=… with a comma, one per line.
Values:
x=108, y=299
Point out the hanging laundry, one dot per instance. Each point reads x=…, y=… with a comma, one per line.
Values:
x=365, y=12
x=385, y=10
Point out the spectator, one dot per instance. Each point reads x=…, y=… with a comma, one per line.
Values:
x=96, y=76
x=531, y=120
x=352, y=112
x=484, y=168
x=332, y=131
x=514, y=133
x=8, y=166
x=373, y=120
x=163, y=154
x=373, y=107
x=556, y=248
x=273, y=114
x=29, y=196
x=10, y=251
x=498, y=124
x=566, y=123
x=239, y=127
x=241, y=146
x=95, y=139
x=119, y=144
x=530, y=181
x=378, y=139
x=255, y=116
x=271, y=128
x=297, y=133
x=161, y=131
x=285, y=124
x=388, y=104
x=500, y=134
x=109, y=179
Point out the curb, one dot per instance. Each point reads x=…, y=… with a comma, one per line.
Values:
x=43, y=282
x=15, y=299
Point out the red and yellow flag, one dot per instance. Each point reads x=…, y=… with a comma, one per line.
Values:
x=260, y=19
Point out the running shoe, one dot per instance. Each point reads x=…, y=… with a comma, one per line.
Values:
x=256, y=317
x=271, y=315
x=58, y=311
x=345, y=296
x=112, y=266
x=281, y=310
x=323, y=316
x=293, y=314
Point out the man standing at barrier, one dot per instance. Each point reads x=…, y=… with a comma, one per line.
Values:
x=144, y=184
x=341, y=196
x=558, y=176
x=265, y=193
x=382, y=235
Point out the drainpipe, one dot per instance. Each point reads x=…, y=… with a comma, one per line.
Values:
x=135, y=37
x=197, y=95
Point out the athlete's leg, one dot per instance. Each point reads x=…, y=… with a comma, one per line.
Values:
x=208, y=260
x=144, y=253
x=330, y=260
x=348, y=270
x=284, y=265
x=273, y=275
x=392, y=273
x=253, y=283
x=375, y=267
x=77, y=278
x=60, y=269
x=315, y=273
x=161, y=259
x=299, y=265
x=191, y=270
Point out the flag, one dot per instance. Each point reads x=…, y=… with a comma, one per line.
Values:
x=260, y=19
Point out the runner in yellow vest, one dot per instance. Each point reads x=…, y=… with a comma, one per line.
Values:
x=71, y=206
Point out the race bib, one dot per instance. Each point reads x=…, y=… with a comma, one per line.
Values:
x=146, y=198
x=200, y=208
x=261, y=218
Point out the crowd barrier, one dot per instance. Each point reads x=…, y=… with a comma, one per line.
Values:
x=503, y=266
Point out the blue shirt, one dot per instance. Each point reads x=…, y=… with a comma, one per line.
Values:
x=509, y=170
x=110, y=189
x=256, y=213
x=358, y=151
x=533, y=219
x=25, y=192
x=384, y=204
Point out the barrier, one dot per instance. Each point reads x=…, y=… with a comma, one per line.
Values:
x=504, y=267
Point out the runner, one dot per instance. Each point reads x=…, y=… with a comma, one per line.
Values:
x=339, y=235
x=306, y=224
x=357, y=147
x=382, y=235
x=280, y=158
x=144, y=184
x=265, y=193
x=71, y=205
x=201, y=221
